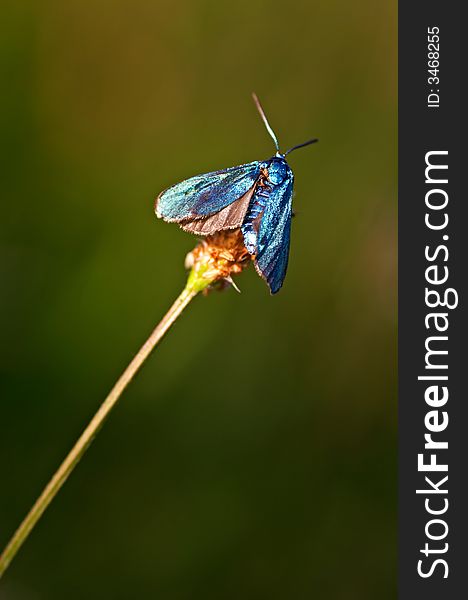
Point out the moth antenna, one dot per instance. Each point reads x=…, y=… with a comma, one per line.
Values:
x=301, y=146
x=265, y=120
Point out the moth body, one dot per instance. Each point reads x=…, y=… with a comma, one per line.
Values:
x=255, y=197
x=274, y=173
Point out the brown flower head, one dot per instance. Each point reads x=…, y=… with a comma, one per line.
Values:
x=215, y=259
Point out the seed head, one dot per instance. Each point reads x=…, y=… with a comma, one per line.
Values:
x=215, y=259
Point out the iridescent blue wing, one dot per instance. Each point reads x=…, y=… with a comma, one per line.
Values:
x=272, y=256
x=204, y=195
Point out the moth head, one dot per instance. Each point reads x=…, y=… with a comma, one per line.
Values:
x=277, y=170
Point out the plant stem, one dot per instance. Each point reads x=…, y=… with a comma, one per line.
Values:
x=83, y=443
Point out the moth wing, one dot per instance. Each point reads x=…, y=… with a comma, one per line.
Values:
x=205, y=195
x=271, y=261
x=230, y=217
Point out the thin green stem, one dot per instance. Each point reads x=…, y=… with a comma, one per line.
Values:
x=83, y=443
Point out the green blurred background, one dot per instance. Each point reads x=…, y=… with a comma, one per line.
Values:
x=255, y=455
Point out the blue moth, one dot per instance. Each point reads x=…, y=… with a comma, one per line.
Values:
x=255, y=197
